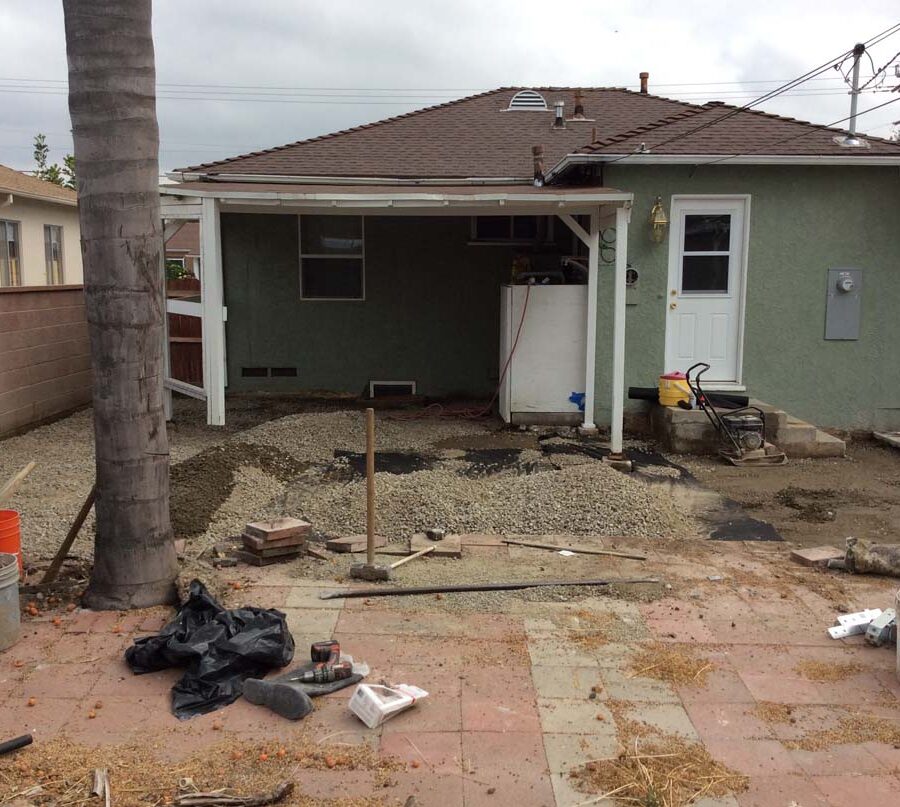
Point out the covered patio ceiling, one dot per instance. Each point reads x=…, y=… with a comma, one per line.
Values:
x=605, y=207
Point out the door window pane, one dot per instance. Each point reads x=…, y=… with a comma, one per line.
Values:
x=331, y=235
x=332, y=278
x=704, y=274
x=707, y=233
x=492, y=228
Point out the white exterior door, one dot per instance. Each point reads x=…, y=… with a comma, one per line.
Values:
x=705, y=301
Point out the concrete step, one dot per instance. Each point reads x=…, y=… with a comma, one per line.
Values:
x=823, y=445
x=795, y=431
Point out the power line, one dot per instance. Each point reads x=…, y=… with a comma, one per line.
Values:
x=773, y=93
x=802, y=134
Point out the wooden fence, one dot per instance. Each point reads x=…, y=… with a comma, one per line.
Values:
x=45, y=365
x=185, y=334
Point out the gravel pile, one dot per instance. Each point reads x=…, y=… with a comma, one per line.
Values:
x=579, y=500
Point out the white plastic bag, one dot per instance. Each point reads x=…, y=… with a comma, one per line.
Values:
x=373, y=703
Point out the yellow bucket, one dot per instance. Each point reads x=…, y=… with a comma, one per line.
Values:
x=673, y=388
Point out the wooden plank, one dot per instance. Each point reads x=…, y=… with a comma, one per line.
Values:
x=353, y=543
x=278, y=528
x=577, y=549
x=256, y=560
x=257, y=544
x=448, y=547
x=12, y=484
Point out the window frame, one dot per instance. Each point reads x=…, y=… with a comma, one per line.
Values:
x=548, y=236
x=47, y=258
x=360, y=256
x=694, y=253
x=18, y=225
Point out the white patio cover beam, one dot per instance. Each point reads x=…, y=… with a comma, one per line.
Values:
x=617, y=414
x=212, y=304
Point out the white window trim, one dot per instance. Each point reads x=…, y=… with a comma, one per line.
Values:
x=179, y=261
x=676, y=243
x=21, y=262
x=361, y=257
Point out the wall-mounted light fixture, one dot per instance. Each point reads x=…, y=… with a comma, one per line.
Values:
x=659, y=221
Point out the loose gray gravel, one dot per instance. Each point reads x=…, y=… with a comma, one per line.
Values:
x=583, y=497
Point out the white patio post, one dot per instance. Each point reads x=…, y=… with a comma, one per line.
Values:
x=167, y=346
x=212, y=302
x=623, y=215
x=590, y=363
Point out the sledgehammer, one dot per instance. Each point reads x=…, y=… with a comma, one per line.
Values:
x=374, y=573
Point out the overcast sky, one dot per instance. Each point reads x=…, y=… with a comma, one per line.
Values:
x=275, y=71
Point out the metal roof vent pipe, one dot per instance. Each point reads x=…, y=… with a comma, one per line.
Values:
x=644, y=77
x=538, y=153
x=559, y=120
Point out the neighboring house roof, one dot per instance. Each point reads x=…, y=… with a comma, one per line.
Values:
x=722, y=129
x=469, y=137
x=185, y=239
x=20, y=184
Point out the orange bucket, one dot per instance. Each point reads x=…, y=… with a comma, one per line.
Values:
x=11, y=536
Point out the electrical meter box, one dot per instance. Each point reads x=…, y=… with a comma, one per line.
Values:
x=843, y=304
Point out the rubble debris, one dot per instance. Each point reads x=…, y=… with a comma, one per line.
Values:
x=816, y=555
x=218, y=798
x=823, y=672
x=853, y=624
x=402, y=592
x=220, y=649
x=883, y=629
x=864, y=557
x=376, y=703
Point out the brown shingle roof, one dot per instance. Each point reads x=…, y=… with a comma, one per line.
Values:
x=722, y=129
x=469, y=137
x=16, y=182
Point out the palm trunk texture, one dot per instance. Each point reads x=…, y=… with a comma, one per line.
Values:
x=112, y=102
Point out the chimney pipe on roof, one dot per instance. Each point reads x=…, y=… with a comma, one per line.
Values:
x=538, y=153
x=644, y=78
x=559, y=120
x=579, y=105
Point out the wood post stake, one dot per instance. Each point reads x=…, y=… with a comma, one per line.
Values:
x=370, y=487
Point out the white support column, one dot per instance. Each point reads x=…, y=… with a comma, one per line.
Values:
x=212, y=302
x=623, y=216
x=590, y=363
x=166, y=345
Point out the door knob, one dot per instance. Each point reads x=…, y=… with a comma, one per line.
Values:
x=673, y=306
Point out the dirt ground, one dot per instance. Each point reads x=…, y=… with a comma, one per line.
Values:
x=817, y=501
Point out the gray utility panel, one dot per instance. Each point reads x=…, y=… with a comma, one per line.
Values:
x=842, y=306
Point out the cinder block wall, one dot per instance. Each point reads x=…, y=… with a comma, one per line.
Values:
x=45, y=365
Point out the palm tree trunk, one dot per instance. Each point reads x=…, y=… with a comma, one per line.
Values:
x=112, y=102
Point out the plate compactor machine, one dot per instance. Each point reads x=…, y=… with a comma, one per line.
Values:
x=742, y=432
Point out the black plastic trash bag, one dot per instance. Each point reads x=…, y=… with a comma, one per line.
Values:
x=219, y=648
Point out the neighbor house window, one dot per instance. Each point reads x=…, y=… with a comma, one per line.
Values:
x=331, y=258
x=53, y=254
x=511, y=229
x=10, y=271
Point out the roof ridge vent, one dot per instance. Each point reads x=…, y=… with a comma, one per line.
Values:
x=528, y=99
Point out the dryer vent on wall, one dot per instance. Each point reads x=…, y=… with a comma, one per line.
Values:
x=391, y=389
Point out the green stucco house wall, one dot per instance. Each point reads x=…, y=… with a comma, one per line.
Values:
x=431, y=307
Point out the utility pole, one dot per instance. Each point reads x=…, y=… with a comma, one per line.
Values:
x=858, y=50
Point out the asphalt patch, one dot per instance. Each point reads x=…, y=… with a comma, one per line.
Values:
x=386, y=462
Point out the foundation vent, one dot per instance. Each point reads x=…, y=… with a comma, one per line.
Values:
x=391, y=389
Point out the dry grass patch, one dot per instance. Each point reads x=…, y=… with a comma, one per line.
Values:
x=140, y=775
x=664, y=771
x=674, y=664
x=854, y=729
x=825, y=672
x=771, y=712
